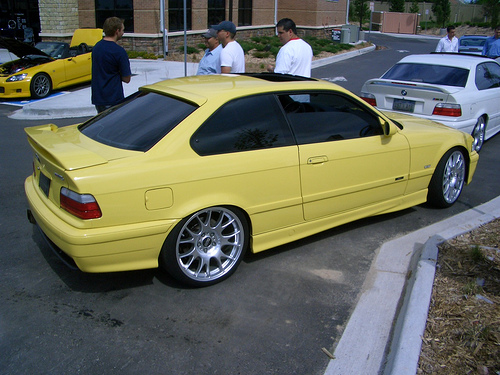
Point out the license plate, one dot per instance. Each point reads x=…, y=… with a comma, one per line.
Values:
x=44, y=184
x=403, y=105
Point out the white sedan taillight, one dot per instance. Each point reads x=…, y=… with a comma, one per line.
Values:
x=447, y=109
x=369, y=98
x=83, y=206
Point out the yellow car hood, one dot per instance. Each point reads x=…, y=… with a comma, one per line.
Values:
x=70, y=149
x=88, y=36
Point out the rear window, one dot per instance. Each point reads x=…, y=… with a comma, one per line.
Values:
x=139, y=123
x=426, y=73
x=472, y=42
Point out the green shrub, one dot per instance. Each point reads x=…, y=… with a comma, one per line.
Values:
x=189, y=50
x=247, y=46
x=261, y=54
x=142, y=55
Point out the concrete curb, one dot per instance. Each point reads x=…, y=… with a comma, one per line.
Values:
x=340, y=57
x=385, y=338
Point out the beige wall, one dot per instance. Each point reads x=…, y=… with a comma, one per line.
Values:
x=86, y=13
x=313, y=13
x=59, y=19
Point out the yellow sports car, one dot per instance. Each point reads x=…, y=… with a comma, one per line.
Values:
x=47, y=66
x=189, y=173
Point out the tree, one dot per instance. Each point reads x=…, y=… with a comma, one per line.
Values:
x=397, y=6
x=442, y=10
x=491, y=10
x=361, y=11
x=414, y=7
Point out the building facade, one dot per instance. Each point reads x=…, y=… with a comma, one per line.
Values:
x=57, y=19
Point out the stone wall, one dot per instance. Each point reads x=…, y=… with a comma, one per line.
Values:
x=154, y=44
x=58, y=16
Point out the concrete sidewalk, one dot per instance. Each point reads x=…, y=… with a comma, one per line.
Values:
x=78, y=103
x=383, y=335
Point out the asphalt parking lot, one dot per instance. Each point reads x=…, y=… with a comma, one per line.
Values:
x=274, y=316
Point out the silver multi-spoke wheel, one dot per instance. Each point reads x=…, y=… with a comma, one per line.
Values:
x=206, y=247
x=453, y=177
x=448, y=179
x=40, y=86
x=478, y=134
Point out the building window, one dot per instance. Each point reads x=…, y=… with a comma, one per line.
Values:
x=176, y=15
x=123, y=9
x=216, y=12
x=245, y=13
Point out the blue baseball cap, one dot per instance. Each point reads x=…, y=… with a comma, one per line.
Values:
x=225, y=25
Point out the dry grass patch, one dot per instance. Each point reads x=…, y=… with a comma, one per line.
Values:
x=462, y=335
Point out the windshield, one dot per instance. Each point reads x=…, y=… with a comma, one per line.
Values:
x=54, y=49
x=139, y=123
x=427, y=73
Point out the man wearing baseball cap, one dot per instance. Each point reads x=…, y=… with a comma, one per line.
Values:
x=210, y=62
x=232, y=57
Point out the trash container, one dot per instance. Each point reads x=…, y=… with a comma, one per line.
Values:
x=354, y=32
x=345, y=36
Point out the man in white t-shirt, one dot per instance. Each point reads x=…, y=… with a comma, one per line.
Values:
x=295, y=56
x=232, y=57
x=448, y=43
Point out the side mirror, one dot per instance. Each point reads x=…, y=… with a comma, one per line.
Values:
x=389, y=128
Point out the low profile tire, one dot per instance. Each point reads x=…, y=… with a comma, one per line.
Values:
x=206, y=247
x=40, y=86
x=479, y=133
x=448, y=180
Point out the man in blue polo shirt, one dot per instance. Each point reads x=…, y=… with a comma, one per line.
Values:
x=110, y=66
x=210, y=62
x=490, y=41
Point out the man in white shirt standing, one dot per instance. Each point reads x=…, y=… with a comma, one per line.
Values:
x=232, y=57
x=449, y=43
x=295, y=56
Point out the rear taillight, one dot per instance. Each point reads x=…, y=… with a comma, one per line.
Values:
x=83, y=206
x=369, y=98
x=447, y=109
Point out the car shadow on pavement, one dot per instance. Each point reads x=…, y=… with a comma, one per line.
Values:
x=336, y=231
x=84, y=282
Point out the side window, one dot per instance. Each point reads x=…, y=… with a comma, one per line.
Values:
x=328, y=117
x=244, y=124
x=487, y=76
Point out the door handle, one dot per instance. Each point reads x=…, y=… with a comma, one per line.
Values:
x=317, y=159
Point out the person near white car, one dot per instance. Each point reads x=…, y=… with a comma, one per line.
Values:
x=487, y=49
x=449, y=43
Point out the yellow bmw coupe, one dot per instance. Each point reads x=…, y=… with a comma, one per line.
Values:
x=47, y=66
x=189, y=173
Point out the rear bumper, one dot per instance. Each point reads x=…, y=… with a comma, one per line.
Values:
x=109, y=249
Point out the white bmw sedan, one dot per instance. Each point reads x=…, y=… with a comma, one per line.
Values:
x=460, y=91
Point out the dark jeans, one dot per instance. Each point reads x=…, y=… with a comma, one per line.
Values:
x=101, y=108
